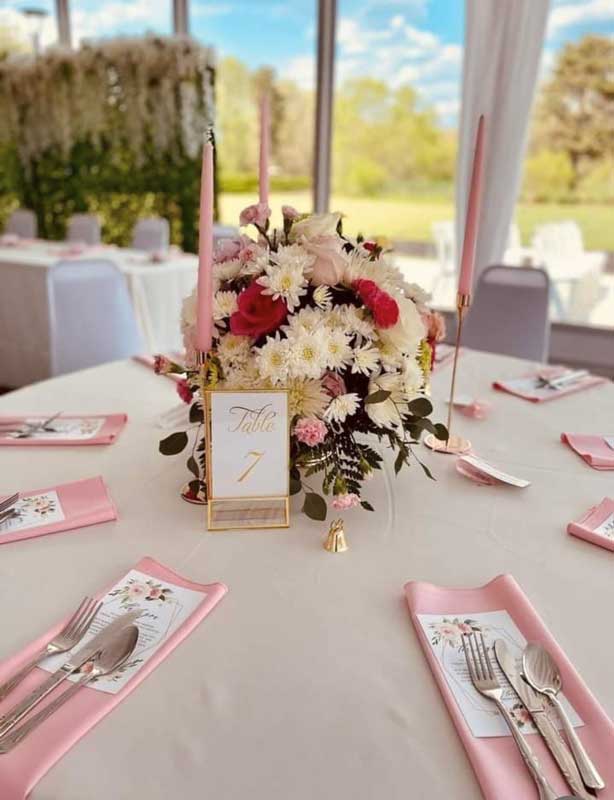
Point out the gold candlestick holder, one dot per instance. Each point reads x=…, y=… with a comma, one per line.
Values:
x=454, y=444
x=205, y=380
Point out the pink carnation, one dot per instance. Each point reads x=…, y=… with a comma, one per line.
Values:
x=255, y=215
x=162, y=365
x=289, y=212
x=310, y=431
x=184, y=391
x=333, y=384
x=343, y=501
x=227, y=249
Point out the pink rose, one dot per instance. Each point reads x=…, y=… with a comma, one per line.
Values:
x=435, y=325
x=329, y=266
x=184, y=391
x=289, y=212
x=257, y=313
x=162, y=365
x=154, y=593
x=333, y=384
x=343, y=501
x=255, y=215
x=137, y=590
x=249, y=249
x=227, y=249
x=310, y=431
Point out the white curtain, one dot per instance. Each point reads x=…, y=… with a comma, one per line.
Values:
x=503, y=47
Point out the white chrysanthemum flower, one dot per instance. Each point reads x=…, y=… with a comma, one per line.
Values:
x=415, y=292
x=226, y=270
x=323, y=298
x=308, y=357
x=315, y=225
x=354, y=321
x=408, y=332
x=342, y=407
x=392, y=359
x=366, y=360
x=244, y=376
x=388, y=413
x=224, y=304
x=256, y=265
x=272, y=359
x=413, y=379
x=307, y=320
x=286, y=282
x=338, y=350
x=306, y=398
x=381, y=271
x=232, y=350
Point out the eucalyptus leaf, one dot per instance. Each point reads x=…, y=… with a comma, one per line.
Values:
x=174, y=443
x=295, y=485
x=196, y=412
x=421, y=407
x=441, y=432
x=193, y=467
x=379, y=396
x=315, y=506
x=399, y=461
x=366, y=506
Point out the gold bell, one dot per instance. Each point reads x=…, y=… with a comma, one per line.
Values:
x=335, y=541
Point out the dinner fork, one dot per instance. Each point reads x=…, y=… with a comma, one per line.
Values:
x=70, y=635
x=479, y=664
x=10, y=501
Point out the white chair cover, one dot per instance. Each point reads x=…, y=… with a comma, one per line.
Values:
x=151, y=234
x=91, y=318
x=510, y=313
x=84, y=228
x=22, y=223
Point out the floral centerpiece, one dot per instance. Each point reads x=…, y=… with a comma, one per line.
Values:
x=330, y=319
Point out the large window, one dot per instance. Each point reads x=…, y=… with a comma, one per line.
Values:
x=566, y=209
x=269, y=45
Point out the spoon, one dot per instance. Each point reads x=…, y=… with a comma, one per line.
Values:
x=107, y=660
x=542, y=672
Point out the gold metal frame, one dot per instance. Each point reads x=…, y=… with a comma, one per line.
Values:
x=259, y=500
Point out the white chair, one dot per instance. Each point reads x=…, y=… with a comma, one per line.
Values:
x=151, y=234
x=91, y=319
x=84, y=228
x=575, y=274
x=22, y=223
x=445, y=248
x=509, y=314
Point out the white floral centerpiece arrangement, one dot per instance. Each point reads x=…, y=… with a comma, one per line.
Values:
x=331, y=320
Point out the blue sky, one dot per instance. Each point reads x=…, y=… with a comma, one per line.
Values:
x=399, y=41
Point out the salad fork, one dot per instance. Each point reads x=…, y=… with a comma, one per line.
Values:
x=70, y=635
x=5, y=505
x=483, y=678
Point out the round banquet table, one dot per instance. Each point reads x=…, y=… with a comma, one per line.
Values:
x=307, y=681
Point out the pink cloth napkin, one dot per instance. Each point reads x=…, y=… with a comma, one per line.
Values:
x=84, y=503
x=23, y=767
x=112, y=427
x=587, y=526
x=593, y=449
x=496, y=761
x=542, y=395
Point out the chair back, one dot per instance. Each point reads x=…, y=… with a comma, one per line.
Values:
x=91, y=318
x=151, y=234
x=84, y=228
x=510, y=313
x=557, y=240
x=22, y=223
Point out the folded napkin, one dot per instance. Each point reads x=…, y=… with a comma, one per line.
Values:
x=593, y=449
x=69, y=430
x=495, y=759
x=59, y=508
x=597, y=525
x=23, y=767
x=528, y=387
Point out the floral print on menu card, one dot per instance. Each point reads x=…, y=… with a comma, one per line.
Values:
x=164, y=608
x=444, y=633
x=34, y=511
x=77, y=428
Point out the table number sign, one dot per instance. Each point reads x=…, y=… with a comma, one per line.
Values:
x=248, y=455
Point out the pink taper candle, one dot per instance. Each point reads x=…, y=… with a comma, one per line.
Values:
x=204, y=308
x=265, y=143
x=465, y=281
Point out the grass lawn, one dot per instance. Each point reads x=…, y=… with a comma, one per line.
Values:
x=411, y=220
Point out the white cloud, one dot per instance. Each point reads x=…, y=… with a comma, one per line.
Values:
x=210, y=9
x=301, y=69
x=580, y=11
x=117, y=16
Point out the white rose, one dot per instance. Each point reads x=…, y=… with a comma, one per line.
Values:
x=316, y=225
x=409, y=331
x=188, y=311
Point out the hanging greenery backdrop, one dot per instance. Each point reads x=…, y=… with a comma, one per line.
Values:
x=115, y=128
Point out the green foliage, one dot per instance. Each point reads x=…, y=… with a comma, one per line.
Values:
x=548, y=177
x=596, y=183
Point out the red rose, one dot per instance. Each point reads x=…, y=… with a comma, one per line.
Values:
x=383, y=307
x=370, y=246
x=258, y=313
x=184, y=391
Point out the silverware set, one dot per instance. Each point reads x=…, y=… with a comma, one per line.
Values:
x=7, y=507
x=537, y=684
x=104, y=654
x=27, y=429
x=562, y=381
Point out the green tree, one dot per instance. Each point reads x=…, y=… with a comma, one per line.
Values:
x=548, y=176
x=575, y=110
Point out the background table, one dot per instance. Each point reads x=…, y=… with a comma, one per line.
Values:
x=157, y=291
x=307, y=681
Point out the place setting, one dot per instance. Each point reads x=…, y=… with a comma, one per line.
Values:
x=60, y=429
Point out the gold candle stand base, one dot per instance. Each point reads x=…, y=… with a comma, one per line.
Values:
x=455, y=445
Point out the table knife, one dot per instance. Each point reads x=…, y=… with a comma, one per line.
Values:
x=74, y=663
x=537, y=708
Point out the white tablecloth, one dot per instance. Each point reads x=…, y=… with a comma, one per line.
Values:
x=156, y=290
x=307, y=681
